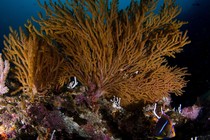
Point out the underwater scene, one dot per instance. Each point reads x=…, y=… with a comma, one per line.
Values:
x=104, y=69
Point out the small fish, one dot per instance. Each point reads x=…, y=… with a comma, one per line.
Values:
x=164, y=128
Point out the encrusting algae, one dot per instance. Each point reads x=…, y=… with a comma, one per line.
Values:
x=110, y=52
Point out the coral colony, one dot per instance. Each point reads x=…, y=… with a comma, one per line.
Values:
x=91, y=70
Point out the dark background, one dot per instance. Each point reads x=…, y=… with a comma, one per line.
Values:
x=196, y=55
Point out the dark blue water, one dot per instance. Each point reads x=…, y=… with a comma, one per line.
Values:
x=15, y=13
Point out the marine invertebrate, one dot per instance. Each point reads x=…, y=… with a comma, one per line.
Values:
x=35, y=58
x=191, y=112
x=119, y=52
x=4, y=70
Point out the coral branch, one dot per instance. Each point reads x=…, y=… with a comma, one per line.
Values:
x=37, y=62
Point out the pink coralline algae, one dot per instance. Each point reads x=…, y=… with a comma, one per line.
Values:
x=191, y=112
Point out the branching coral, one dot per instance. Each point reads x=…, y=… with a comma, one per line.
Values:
x=36, y=60
x=119, y=52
